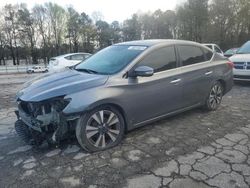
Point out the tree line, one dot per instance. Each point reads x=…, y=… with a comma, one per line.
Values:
x=49, y=30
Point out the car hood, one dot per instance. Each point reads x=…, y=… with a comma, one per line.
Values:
x=59, y=84
x=240, y=58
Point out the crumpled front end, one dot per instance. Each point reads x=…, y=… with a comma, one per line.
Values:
x=40, y=121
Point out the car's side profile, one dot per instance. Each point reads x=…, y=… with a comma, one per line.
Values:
x=122, y=87
x=37, y=69
x=60, y=62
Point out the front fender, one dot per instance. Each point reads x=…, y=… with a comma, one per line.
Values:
x=91, y=98
x=87, y=100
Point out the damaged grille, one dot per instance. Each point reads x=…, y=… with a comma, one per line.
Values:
x=45, y=117
x=42, y=113
x=35, y=109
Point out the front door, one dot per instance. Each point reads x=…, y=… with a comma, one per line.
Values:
x=155, y=96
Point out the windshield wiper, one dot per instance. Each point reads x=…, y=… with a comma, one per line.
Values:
x=87, y=71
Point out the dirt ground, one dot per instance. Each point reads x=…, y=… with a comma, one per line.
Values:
x=192, y=149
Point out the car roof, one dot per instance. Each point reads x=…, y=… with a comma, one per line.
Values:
x=153, y=42
x=76, y=53
x=70, y=54
x=212, y=44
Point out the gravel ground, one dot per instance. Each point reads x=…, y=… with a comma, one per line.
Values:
x=192, y=149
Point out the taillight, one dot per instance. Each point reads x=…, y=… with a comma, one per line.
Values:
x=230, y=64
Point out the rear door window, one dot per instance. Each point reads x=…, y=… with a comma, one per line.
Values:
x=77, y=57
x=208, y=54
x=161, y=59
x=191, y=55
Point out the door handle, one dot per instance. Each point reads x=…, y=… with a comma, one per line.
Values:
x=208, y=73
x=175, y=81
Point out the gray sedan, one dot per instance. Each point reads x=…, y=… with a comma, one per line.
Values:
x=121, y=87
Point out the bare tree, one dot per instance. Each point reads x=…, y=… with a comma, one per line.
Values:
x=41, y=20
x=27, y=29
x=57, y=17
x=11, y=29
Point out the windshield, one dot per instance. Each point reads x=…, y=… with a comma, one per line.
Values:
x=245, y=49
x=111, y=59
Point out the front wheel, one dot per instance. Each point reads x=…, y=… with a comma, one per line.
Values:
x=214, y=98
x=100, y=129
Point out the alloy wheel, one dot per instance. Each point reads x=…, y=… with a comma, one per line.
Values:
x=103, y=128
x=215, y=96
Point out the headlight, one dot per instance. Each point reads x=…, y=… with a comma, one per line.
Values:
x=60, y=103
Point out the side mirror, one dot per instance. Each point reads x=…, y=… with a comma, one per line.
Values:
x=143, y=71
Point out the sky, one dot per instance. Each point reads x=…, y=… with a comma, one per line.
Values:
x=110, y=9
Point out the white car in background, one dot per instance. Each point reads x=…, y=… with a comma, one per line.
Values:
x=215, y=48
x=36, y=69
x=60, y=62
x=241, y=62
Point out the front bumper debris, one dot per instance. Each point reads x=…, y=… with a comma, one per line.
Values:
x=42, y=121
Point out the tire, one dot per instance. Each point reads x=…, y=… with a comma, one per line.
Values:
x=100, y=129
x=214, y=98
x=23, y=131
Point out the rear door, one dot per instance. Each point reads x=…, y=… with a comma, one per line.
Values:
x=197, y=73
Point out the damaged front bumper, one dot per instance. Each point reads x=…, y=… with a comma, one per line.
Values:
x=39, y=121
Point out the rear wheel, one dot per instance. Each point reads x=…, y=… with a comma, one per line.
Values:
x=100, y=129
x=214, y=98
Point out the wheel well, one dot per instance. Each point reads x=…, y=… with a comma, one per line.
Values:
x=223, y=83
x=120, y=109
